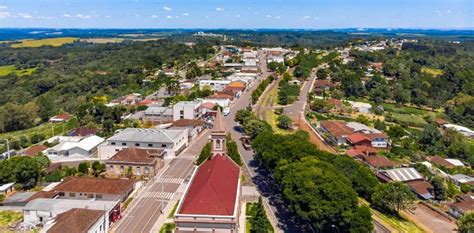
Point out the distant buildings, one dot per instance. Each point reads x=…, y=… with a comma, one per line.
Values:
x=353, y=133
x=74, y=147
x=79, y=220
x=127, y=100
x=63, y=117
x=190, y=110
x=214, y=85
x=411, y=177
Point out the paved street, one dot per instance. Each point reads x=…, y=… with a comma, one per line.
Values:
x=296, y=111
x=145, y=209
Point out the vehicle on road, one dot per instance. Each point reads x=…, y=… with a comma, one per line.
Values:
x=246, y=142
x=226, y=111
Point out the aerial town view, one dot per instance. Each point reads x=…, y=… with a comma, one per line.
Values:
x=162, y=116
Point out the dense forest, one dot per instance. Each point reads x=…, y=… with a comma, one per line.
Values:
x=66, y=77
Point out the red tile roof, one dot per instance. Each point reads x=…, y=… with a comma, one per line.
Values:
x=213, y=189
x=84, y=132
x=357, y=138
x=34, y=150
x=136, y=156
x=95, y=185
x=361, y=150
x=187, y=123
x=378, y=161
x=421, y=187
x=337, y=128
x=323, y=83
x=208, y=105
x=441, y=161
x=63, y=116
x=220, y=95
x=76, y=221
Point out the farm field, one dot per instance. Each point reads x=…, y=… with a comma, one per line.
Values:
x=6, y=70
x=56, y=42
x=102, y=40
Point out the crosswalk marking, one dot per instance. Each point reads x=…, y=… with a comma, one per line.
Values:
x=158, y=195
x=170, y=180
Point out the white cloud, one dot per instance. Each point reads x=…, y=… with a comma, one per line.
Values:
x=154, y=16
x=169, y=17
x=67, y=15
x=268, y=16
x=219, y=9
x=167, y=8
x=238, y=16
x=277, y=17
x=306, y=17
x=83, y=16
x=448, y=11
x=45, y=17
x=25, y=15
x=3, y=7
x=108, y=16
x=4, y=14
x=185, y=14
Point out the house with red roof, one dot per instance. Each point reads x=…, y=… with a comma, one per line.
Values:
x=63, y=117
x=211, y=202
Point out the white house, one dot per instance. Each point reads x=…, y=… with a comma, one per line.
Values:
x=74, y=147
x=361, y=107
x=190, y=110
x=215, y=85
x=461, y=129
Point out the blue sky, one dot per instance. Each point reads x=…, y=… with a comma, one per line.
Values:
x=309, y=14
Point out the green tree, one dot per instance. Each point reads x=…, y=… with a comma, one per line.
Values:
x=440, y=191
x=97, y=168
x=360, y=221
x=205, y=154
x=232, y=150
x=380, y=125
x=392, y=197
x=259, y=221
x=46, y=107
x=284, y=122
x=466, y=223
x=243, y=115
x=83, y=168
x=255, y=127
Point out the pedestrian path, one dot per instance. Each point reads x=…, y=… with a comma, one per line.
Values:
x=170, y=180
x=158, y=195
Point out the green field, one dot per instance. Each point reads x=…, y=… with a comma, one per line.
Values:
x=8, y=217
x=42, y=42
x=432, y=71
x=45, y=129
x=6, y=70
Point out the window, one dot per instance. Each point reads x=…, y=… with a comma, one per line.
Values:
x=146, y=171
x=121, y=169
x=150, y=145
x=137, y=144
x=124, y=143
x=112, y=143
x=72, y=194
x=90, y=195
x=181, y=112
x=61, y=194
x=138, y=171
x=98, y=196
x=163, y=145
x=111, y=167
x=218, y=144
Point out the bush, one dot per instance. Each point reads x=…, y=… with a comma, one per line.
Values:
x=284, y=122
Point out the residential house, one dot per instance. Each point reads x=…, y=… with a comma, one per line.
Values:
x=377, y=140
x=158, y=115
x=83, y=132
x=221, y=99
x=335, y=131
x=236, y=88
x=6, y=188
x=194, y=127
x=447, y=163
x=214, y=85
x=377, y=162
x=127, y=100
x=460, y=129
x=460, y=179
x=171, y=140
x=79, y=220
x=34, y=150
x=464, y=204
x=411, y=177
x=322, y=87
x=74, y=147
x=190, y=110
x=361, y=107
x=63, y=117
x=136, y=162
x=45, y=210
x=211, y=201
x=361, y=150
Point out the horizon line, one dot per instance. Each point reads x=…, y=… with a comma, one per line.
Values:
x=249, y=28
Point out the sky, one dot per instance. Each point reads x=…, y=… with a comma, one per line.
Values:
x=301, y=14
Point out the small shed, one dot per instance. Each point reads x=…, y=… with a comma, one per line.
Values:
x=6, y=188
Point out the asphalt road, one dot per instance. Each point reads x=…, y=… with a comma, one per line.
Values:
x=144, y=211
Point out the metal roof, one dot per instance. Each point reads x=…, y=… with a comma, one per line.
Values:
x=403, y=174
x=148, y=135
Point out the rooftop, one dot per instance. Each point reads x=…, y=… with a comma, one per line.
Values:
x=75, y=220
x=187, y=123
x=378, y=161
x=403, y=174
x=137, y=155
x=441, y=161
x=34, y=150
x=58, y=206
x=147, y=135
x=84, y=132
x=94, y=185
x=421, y=187
x=336, y=128
x=213, y=189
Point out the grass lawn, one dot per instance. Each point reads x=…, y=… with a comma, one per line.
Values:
x=6, y=70
x=44, y=129
x=471, y=146
x=168, y=227
x=8, y=217
x=171, y=214
x=399, y=224
x=38, y=43
x=408, y=119
x=432, y=71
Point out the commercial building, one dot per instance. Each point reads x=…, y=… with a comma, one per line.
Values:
x=74, y=147
x=135, y=162
x=214, y=85
x=173, y=141
x=187, y=110
x=158, y=115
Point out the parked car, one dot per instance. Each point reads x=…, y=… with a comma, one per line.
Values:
x=246, y=142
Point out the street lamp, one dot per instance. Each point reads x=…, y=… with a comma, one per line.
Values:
x=335, y=227
x=8, y=147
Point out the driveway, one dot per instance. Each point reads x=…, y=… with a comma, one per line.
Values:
x=432, y=220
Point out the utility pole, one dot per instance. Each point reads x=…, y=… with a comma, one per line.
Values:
x=8, y=147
